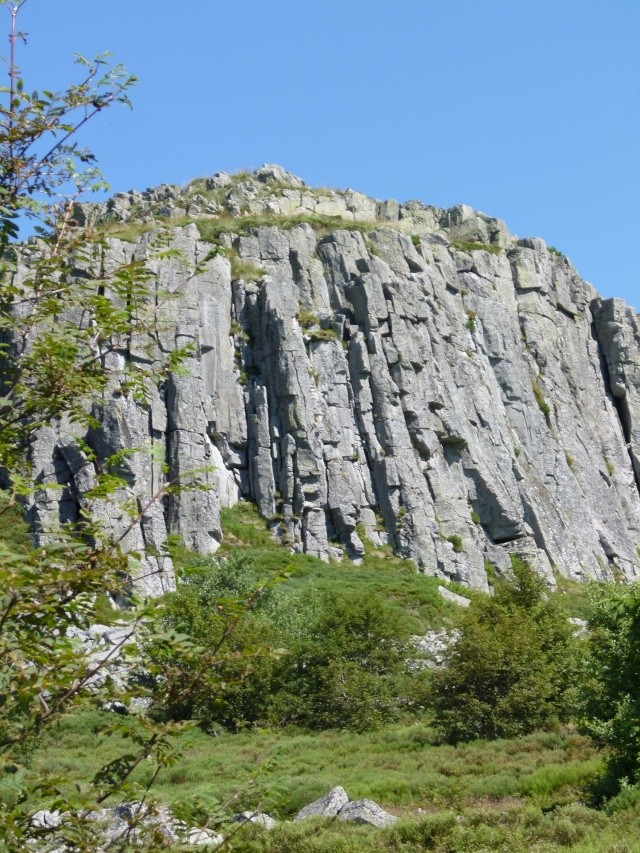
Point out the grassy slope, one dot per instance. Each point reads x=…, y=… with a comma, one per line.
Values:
x=512, y=795
x=381, y=572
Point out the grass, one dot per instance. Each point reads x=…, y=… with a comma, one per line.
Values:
x=470, y=795
x=540, y=400
x=243, y=269
x=515, y=795
x=401, y=767
x=212, y=228
x=306, y=318
x=322, y=335
x=380, y=573
x=474, y=246
x=238, y=331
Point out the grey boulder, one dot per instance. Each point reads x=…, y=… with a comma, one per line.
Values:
x=327, y=806
x=366, y=812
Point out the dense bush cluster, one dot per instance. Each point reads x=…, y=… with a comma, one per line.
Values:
x=513, y=668
x=296, y=653
x=292, y=656
x=611, y=690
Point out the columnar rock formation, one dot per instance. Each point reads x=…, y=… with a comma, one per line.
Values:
x=366, y=369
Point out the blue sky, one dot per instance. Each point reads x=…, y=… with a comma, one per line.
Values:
x=529, y=111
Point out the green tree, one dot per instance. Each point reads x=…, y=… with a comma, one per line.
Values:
x=56, y=331
x=228, y=616
x=512, y=669
x=350, y=670
x=611, y=692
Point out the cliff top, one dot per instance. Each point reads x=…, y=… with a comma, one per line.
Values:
x=270, y=195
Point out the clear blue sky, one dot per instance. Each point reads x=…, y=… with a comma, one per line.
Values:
x=529, y=111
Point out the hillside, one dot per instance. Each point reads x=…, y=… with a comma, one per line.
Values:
x=365, y=370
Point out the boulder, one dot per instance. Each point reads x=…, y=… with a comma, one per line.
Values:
x=366, y=812
x=326, y=806
x=259, y=818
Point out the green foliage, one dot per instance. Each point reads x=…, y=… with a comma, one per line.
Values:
x=556, y=252
x=456, y=541
x=474, y=246
x=337, y=633
x=342, y=663
x=512, y=669
x=413, y=595
x=611, y=692
x=540, y=400
x=59, y=328
x=471, y=320
x=306, y=318
x=14, y=531
x=350, y=670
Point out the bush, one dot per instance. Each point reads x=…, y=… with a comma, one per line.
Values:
x=512, y=669
x=293, y=656
x=219, y=608
x=350, y=671
x=611, y=692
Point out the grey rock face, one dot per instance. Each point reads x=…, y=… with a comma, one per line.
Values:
x=403, y=374
x=366, y=812
x=45, y=819
x=327, y=806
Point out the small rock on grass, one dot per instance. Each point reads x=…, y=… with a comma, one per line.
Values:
x=366, y=812
x=327, y=806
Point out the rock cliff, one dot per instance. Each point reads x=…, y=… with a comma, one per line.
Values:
x=368, y=370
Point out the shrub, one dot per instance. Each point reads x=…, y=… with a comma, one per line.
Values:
x=350, y=671
x=471, y=320
x=456, y=541
x=510, y=671
x=611, y=692
x=342, y=662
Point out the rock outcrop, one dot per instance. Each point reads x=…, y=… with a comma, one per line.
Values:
x=365, y=369
x=336, y=803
